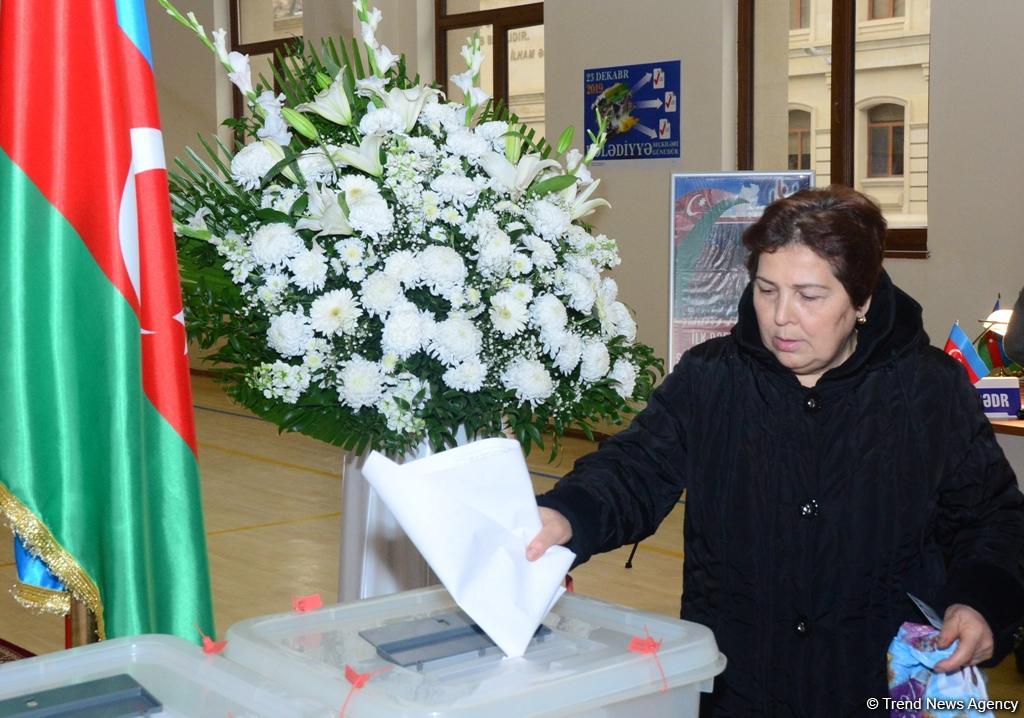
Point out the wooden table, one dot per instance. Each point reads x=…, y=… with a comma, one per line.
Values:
x=1013, y=427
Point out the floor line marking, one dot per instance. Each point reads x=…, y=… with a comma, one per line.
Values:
x=271, y=524
x=268, y=460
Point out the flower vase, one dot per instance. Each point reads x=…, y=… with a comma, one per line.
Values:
x=376, y=557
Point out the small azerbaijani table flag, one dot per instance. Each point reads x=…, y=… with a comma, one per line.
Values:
x=98, y=472
x=960, y=348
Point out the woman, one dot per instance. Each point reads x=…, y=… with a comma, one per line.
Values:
x=833, y=461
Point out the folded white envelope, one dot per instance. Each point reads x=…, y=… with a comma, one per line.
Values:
x=471, y=511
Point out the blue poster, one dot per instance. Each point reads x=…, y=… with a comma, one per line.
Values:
x=640, y=104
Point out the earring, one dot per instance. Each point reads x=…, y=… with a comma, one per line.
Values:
x=862, y=320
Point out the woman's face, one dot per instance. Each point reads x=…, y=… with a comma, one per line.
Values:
x=804, y=314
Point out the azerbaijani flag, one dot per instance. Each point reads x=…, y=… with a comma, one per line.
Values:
x=960, y=348
x=98, y=471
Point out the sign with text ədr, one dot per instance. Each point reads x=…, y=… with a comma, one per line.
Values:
x=640, y=104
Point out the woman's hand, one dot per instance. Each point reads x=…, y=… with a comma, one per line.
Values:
x=555, y=531
x=976, y=641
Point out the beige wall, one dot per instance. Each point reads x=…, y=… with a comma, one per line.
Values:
x=975, y=163
x=598, y=33
x=974, y=159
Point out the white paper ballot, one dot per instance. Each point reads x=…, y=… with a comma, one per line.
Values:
x=471, y=511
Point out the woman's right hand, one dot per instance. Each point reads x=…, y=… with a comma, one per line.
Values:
x=555, y=531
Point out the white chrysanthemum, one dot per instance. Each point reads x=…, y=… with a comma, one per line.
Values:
x=570, y=351
x=455, y=340
x=493, y=132
x=249, y=166
x=442, y=269
x=549, y=314
x=351, y=251
x=595, y=360
x=624, y=323
x=468, y=376
x=458, y=189
x=405, y=387
x=372, y=216
x=316, y=166
x=402, y=267
x=520, y=264
x=542, y=254
x=336, y=312
x=529, y=379
x=452, y=216
x=521, y=292
x=550, y=220
x=467, y=144
x=289, y=333
x=360, y=382
x=274, y=244
x=309, y=269
x=624, y=376
x=380, y=292
x=495, y=250
x=381, y=121
x=356, y=274
x=580, y=291
x=423, y=146
x=448, y=116
x=406, y=331
x=438, y=234
x=508, y=314
x=357, y=188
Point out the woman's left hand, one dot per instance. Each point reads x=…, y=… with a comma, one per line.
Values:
x=976, y=641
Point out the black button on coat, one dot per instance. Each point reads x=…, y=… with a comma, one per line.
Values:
x=910, y=492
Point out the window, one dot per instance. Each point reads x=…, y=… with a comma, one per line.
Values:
x=799, y=14
x=847, y=70
x=880, y=9
x=885, y=141
x=263, y=29
x=799, y=140
x=512, y=34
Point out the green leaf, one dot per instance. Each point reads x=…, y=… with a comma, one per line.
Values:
x=553, y=184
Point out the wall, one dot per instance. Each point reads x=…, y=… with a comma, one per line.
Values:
x=597, y=33
x=974, y=165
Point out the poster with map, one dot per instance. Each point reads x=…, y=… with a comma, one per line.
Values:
x=707, y=261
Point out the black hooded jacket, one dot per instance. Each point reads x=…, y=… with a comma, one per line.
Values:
x=811, y=513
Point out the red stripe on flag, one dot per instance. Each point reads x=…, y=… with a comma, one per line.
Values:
x=80, y=85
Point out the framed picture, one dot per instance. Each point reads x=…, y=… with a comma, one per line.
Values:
x=707, y=261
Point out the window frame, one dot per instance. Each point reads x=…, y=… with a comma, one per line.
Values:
x=889, y=126
x=800, y=19
x=892, y=11
x=500, y=19
x=903, y=242
x=286, y=45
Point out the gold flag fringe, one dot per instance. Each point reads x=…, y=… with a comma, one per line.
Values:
x=47, y=600
x=40, y=542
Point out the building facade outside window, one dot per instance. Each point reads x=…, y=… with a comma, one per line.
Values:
x=799, y=14
x=886, y=8
x=799, y=140
x=885, y=141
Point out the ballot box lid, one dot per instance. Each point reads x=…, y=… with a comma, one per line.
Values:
x=185, y=682
x=584, y=663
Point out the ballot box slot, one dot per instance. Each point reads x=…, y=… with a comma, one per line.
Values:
x=118, y=696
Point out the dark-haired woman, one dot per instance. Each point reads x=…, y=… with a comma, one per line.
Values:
x=834, y=463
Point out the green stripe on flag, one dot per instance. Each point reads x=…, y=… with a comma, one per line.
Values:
x=84, y=449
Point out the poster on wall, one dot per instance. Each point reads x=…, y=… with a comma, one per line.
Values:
x=707, y=261
x=640, y=104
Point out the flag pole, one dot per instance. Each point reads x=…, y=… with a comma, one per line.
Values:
x=83, y=624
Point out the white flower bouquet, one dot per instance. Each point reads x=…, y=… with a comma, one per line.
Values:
x=379, y=267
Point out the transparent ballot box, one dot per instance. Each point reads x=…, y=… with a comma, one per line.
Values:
x=175, y=677
x=579, y=663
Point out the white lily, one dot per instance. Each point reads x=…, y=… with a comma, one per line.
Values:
x=385, y=59
x=369, y=86
x=240, y=74
x=464, y=81
x=407, y=103
x=578, y=203
x=220, y=45
x=324, y=213
x=331, y=104
x=366, y=157
x=515, y=177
